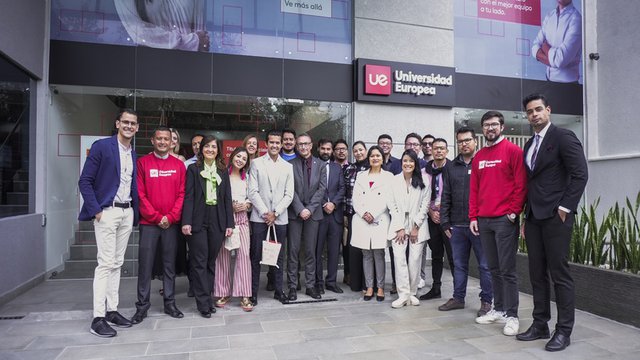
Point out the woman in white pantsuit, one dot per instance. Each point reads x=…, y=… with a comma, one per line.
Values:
x=408, y=227
x=371, y=200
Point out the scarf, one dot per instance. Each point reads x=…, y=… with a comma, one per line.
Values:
x=212, y=180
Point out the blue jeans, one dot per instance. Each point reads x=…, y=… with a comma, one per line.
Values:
x=462, y=241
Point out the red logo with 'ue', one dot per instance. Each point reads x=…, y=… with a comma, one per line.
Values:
x=377, y=80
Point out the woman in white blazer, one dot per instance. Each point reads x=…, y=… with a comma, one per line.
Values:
x=371, y=200
x=410, y=201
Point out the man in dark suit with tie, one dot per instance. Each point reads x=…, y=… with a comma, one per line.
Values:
x=330, y=229
x=556, y=178
x=305, y=213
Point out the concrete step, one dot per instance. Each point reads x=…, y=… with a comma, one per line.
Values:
x=84, y=269
x=89, y=252
x=17, y=198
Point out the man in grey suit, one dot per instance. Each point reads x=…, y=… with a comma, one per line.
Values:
x=270, y=190
x=305, y=213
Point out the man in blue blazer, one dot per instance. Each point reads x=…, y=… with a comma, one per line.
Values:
x=110, y=194
x=556, y=178
x=330, y=229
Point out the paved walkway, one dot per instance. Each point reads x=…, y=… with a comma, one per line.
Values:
x=57, y=316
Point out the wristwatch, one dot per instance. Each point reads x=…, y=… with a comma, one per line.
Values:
x=512, y=216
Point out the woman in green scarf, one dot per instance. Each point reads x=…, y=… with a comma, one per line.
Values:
x=207, y=218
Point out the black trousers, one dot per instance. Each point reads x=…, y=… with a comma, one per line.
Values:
x=548, y=250
x=204, y=247
x=152, y=237
x=438, y=243
x=258, y=235
x=329, y=233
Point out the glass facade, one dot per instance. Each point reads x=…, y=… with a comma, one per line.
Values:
x=14, y=140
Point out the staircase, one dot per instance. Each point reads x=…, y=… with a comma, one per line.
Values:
x=17, y=200
x=82, y=255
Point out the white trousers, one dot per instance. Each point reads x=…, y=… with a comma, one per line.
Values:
x=407, y=274
x=112, y=236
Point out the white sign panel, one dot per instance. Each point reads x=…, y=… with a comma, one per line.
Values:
x=307, y=7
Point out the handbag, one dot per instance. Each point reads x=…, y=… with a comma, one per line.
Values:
x=271, y=249
x=232, y=242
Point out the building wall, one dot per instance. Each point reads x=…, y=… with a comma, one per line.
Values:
x=611, y=93
x=418, y=32
x=24, y=41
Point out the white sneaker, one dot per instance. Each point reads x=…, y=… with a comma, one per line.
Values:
x=422, y=284
x=414, y=301
x=491, y=317
x=512, y=327
x=400, y=302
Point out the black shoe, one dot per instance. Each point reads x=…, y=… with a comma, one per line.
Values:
x=313, y=293
x=434, y=293
x=293, y=296
x=320, y=289
x=254, y=300
x=280, y=296
x=212, y=310
x=368, y=297
x=173, y=311
x=379, y=298
x=205, y=314
x=115, y=319
x=534, y=333
x=335, y=288
x=100, y=327
x=558, y=342
x=138, y=316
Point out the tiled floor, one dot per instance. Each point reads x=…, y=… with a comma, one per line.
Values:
x=57, y=316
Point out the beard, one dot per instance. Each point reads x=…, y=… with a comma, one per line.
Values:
x=324, y=157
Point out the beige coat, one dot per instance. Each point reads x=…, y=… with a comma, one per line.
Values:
x=374, y=200
x=416, y=208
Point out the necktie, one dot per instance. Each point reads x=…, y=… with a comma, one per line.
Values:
x=535, y=152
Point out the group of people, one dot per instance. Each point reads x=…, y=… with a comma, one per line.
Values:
x=472, y=202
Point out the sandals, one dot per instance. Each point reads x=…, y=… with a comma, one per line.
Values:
x=246, y=304
x=222, y=301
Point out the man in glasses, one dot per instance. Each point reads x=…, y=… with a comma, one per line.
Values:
x=341, y=153
x=411, y=142
x=496, y=196
x=110, y=193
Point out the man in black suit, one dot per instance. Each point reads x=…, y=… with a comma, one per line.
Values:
x=556, y=178
x=305, y=213
x=330, y=229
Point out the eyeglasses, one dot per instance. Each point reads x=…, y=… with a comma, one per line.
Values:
x=491, y=125
x=384, y=143
x=464, y=141
x=427, y=144
x=305, y=144
x=340, y=149
x=439, y=148
x=412, y=144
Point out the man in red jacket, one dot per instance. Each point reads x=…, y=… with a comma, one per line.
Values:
x=496, y=196
x=160, y=180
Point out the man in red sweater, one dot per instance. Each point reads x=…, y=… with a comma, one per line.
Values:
x=496, y=197
x=160, y=180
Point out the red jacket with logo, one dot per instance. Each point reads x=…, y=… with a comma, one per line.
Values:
x=161, y=189
x=498, y=181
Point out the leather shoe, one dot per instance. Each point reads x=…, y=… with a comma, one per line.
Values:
x=114, y=318
x=254, y=300
x=319, y=289
x=293, y=295
x=173, y=311
x=533, y=333
x=205, y=314
x=558, y=342
x=100, y=327
x=313, y=293
x=335, y=288
x=212, y=310
x=138, y=316
x=432, y=294
x=280, y=296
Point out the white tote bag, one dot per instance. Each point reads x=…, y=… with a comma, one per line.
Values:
x=232, y=242
x=271, y=249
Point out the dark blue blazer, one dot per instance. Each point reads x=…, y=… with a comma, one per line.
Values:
x=335, y=191
x=100, y=179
